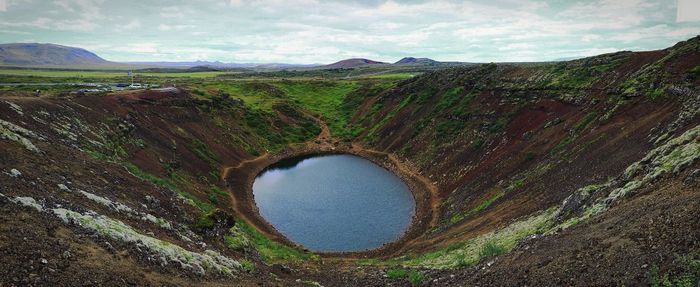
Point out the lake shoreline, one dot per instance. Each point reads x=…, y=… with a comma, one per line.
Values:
x=239, y=181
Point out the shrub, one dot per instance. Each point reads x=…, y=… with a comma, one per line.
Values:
x=247, y=265
x=204, y=221
x=413, y=276
x=491, y=249
x=478, y=143
x=585, y=121
x=530, y=155
x=213, y=198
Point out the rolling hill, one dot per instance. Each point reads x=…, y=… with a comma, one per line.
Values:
x=416, y=61
x=35, y=54
x=351, y=63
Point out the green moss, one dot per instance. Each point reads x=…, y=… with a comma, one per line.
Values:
x=425, y=95
x=491, y=249
x=326, y=98
x=685, y=273
x=238, y=242
x=458, y=217
x=203, y=151
x=499, y=125
x=563, y=143
x=515, y=184
x=583, y=123
x=478, y=144
x=169, y=184
x=578, y=127
x=271, y=251
x=447, y=129
x=530, y=155
x=204, y=221
x=449, y=99
x=695, y=72
x=217, y=195
x=462, y=108
x=657, y=93
x=413, y=276
x=247, y=265
x=469, y=252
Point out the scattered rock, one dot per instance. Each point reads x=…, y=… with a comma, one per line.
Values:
x=693, y=176
x=15, y=173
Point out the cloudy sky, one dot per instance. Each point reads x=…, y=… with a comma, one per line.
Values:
x=316, y=31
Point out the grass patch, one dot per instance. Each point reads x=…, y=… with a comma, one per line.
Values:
x=470, y=252
x=499, y=125
x=685, y=273
x=580, y=126
x=236, y=239
x=447, y=129
x=325, y=98
x=271, y=251
x=491, y=249
x=247, y=265
x=273, y=133
x=695, y=72
x=203, y=152
x=216, y=195
x=413, y=276
x=478, y=144
x=530, y=155
x=393, y=76
x=169, y=184
x=449, y=99
x=583, y=123
x=458, y=217
x=204, y=221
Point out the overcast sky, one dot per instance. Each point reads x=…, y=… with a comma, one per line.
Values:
x=315, y=31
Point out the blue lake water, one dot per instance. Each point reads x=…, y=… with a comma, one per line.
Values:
x=334, y=203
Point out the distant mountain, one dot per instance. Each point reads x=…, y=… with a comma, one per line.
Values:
x=285, y=66
x=52, y=55
x=221, y=65
x=215, y=64
x=35, y=54
x=416, y=61
x=351, y=63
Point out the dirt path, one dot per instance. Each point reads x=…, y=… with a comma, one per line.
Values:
x=325, y=134
x=227, y=170
x=324, y=137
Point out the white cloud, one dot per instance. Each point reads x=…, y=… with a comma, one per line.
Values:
x=131, y=25
x=172, y=12
x=165, y=27
x=305, y=31
x=3, y=5
x=80, y=25
x=89, y=9
x=688, y=11
x=517, y=46
x=140, y=48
